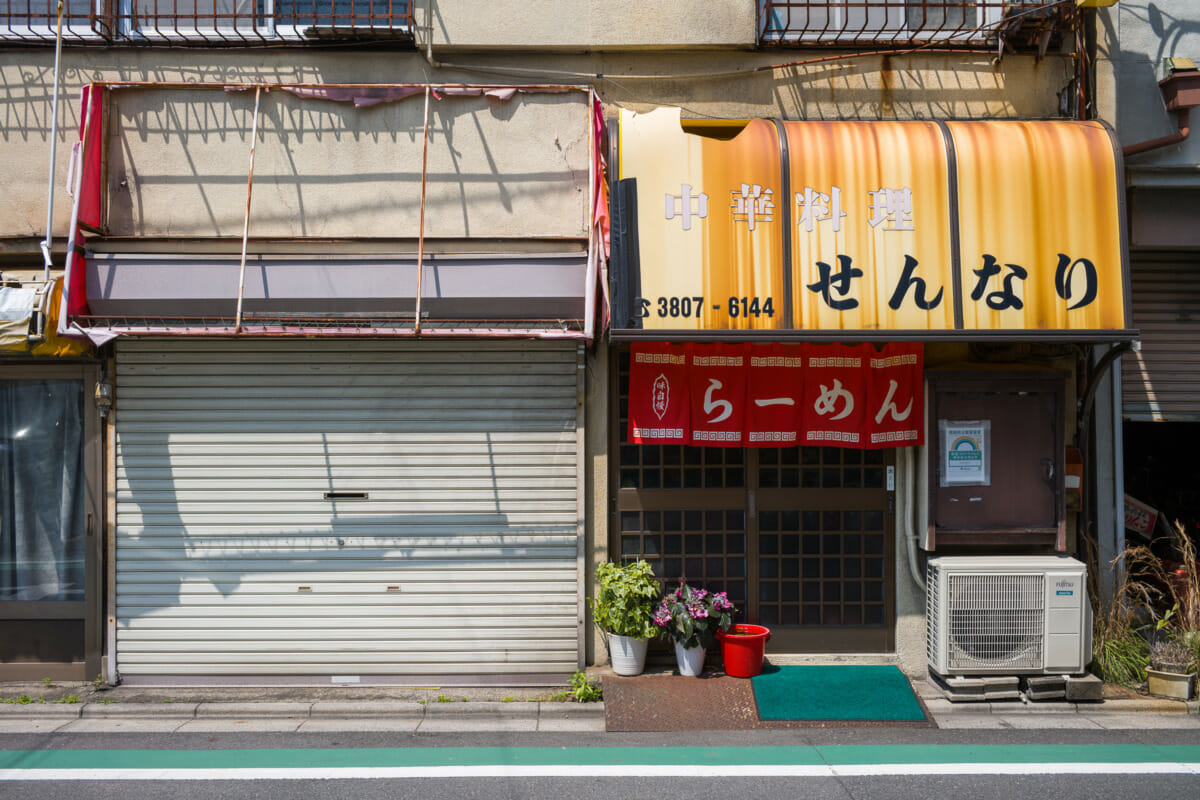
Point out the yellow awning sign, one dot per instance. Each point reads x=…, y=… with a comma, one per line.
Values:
x=917, y=229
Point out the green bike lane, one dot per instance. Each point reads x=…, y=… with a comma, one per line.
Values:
x=482, y=762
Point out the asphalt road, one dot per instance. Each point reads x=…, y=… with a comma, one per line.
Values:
x=926, y=764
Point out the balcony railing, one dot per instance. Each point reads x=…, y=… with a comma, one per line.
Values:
x=1019, y=24
x=205, y=22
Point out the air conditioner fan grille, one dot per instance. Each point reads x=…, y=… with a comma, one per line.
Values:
x=995, y=621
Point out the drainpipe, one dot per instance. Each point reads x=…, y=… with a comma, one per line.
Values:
x=429, y=34
x=1089, y=394
x=1181, y=93
x=1181, y=117
x=907, y=504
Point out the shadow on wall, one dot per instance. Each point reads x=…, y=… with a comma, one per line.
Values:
x=1141, y=112
x=180, y=161
x=1170, y=30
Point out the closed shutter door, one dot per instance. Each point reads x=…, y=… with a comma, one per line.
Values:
x=1162, y=381
x=346, y=508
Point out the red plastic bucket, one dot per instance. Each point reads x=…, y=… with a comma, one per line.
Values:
x=742, y=648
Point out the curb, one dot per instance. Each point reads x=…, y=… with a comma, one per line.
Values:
x=320, y=710
x=138, y=710
x=942, y=706
x=44, y=710
x=365, y=709
x=489, y=710
x=243, y=710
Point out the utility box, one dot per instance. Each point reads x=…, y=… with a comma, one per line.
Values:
x=997, y=458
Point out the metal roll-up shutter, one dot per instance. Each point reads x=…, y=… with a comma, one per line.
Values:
x=328, y=507
x=1162, y=381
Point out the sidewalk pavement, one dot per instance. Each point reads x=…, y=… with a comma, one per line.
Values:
x=1120, y=709
x=82, y=708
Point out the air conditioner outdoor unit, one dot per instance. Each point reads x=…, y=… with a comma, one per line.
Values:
x=1007, y=615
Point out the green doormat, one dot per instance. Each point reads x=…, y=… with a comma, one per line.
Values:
x=843, y=692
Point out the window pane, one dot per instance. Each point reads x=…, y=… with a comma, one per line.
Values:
x=41, y=490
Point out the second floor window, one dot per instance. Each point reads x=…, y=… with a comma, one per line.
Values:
x=205, y=21
x=898, y=22
x=38, y=19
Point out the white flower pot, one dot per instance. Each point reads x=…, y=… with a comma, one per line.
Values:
x=690, y=660
x=627, y=653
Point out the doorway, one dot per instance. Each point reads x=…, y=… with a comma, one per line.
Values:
x=50, y=524
x=801, y=538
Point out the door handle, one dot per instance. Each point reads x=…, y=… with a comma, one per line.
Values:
x=1048, y=469
x=88, y=525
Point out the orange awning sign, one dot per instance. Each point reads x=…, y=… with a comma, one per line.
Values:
x=919, y=229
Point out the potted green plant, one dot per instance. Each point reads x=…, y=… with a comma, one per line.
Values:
x=690, y=617
x=623, y=609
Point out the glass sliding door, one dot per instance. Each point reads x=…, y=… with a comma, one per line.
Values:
x=49, y=544
x=802, y=538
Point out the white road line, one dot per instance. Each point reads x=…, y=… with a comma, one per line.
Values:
x=600, y=771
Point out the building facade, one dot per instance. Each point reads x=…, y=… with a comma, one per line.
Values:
x=1151, y=84
x=354, y=298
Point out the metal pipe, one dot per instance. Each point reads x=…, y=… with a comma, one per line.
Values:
x=1089, y=395
x=524, y=87
x=421, y=223
x=374, y=333
x=907, y=499
x=429, y=34
x=1182, y=116
x=237, y=327
x=581, y=467
x=589, y=291
x=46, y=260
x=112, y=674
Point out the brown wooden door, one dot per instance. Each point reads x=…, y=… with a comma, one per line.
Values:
x=801, y=538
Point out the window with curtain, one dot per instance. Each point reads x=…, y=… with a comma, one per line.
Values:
x=41, y=490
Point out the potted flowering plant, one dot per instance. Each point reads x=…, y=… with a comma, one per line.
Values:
x=690, y=617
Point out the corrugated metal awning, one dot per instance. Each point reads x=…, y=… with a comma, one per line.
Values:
x=853, y=230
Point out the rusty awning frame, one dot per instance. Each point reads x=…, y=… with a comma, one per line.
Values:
x=100, y=329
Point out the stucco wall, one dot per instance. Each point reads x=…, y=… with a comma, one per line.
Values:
x=171, y=146
x=1133, y=39
x=585, y=25
x=496, y=168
